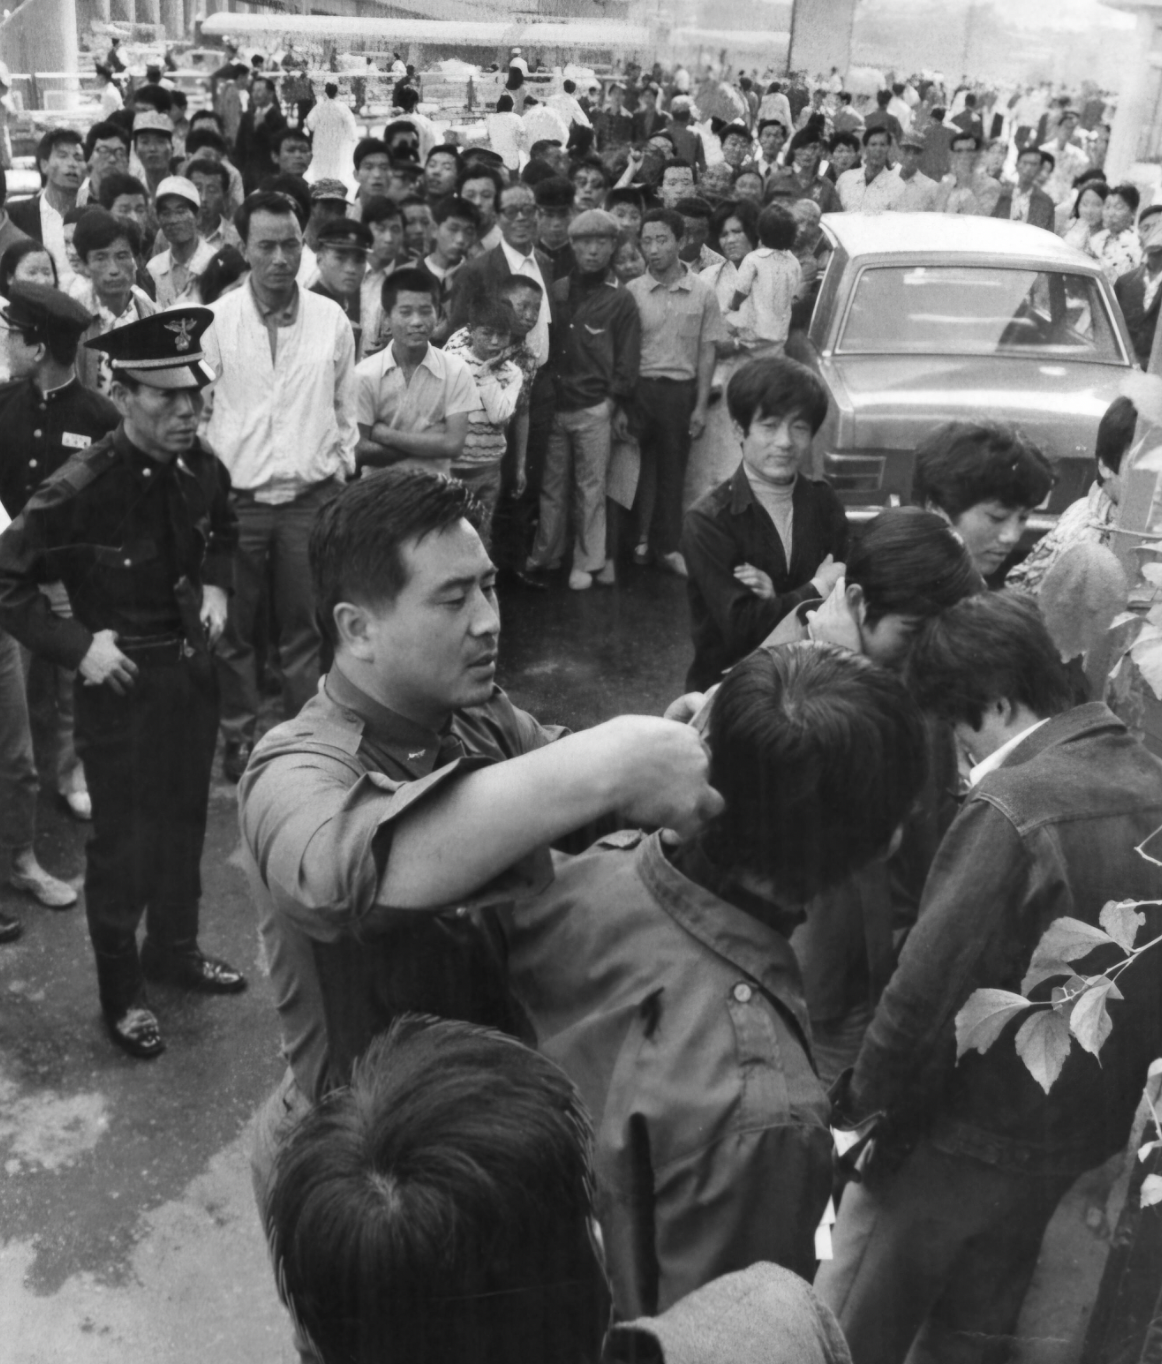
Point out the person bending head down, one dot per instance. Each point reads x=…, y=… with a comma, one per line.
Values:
x=819, y=756
x=437, y=1211
x=984, y=478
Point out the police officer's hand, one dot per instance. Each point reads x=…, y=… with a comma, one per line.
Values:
x=213, y=613
x=106, y=664
x=662, y=771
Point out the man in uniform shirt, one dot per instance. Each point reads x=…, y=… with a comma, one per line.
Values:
x=919, y=194
x=342, y=247
x=410, y=794
x=139, y=530
x=46, y=416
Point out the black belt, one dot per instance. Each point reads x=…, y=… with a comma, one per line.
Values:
x=156, y=651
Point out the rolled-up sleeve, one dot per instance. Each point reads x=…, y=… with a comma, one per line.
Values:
x=322, y=843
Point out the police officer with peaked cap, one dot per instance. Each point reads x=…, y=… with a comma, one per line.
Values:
x=138, y=528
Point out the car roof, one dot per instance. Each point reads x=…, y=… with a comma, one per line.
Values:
x=950, y=235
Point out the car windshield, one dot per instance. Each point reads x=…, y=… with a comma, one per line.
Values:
x=978, y=310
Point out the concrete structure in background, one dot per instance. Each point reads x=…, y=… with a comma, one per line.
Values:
x=821, y=35
x=1137, y=130
x=41, y=36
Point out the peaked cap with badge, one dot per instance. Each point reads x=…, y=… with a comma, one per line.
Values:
x=163, y=351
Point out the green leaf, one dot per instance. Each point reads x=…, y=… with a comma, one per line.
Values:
x=1043, y=970
x=1154, y=1083
x=1121, y=920
x=983, y=1017
x=1090, y=1021
x=1151, y=1190
x=1068, y=940
x=1043, y=1044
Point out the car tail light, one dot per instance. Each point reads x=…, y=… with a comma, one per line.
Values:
x=855, y=473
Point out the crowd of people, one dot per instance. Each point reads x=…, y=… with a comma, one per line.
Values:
x=569, y=1018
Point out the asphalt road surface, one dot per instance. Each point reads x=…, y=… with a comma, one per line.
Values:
x=128, y=1233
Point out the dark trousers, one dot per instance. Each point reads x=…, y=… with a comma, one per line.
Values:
x=663, y=409
x=148, y=757
x=272, y=547
x=932, y=1261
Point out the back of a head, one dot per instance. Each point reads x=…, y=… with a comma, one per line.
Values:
x=437, y=1211
x=990, y=647
x=910, y=562
x=1115, y=433
x=819, y=755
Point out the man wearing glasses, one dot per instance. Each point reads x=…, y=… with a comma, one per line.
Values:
x=106, y=153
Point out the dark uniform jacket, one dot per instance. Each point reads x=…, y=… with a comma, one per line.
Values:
x=41, y=431
x=596, y=343
x=1051, y=833
x=256, y=135
x=729, y=527
x=120, y=530
x=1130, y=291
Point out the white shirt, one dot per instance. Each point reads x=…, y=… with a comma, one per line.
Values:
x=1019, y=212
x=880, y=196
x=997, y=757
x=281, y=426
x=180, y=283
x=569, y=108
x=441, y=386
x=506, y=137
x=538, y=339
x=52, y=228
x=919, y=194
x=334, y=132
x=111, y=100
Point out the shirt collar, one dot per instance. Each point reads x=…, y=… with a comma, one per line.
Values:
x=998, y=756
x=428, y=361
x=414, y=746
x=756, y=949
x=278, y=317
x=684, y=281
x=516, y=260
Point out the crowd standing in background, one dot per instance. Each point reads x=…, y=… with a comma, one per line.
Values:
x=286, y=408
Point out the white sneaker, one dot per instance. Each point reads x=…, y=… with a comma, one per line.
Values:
x=579, y=580
x=80, y=804
x=31, y=877
x=607, y=575
x=674, y=563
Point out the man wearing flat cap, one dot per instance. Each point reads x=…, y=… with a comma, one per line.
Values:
x=594, y=366
x=342, y=247
x=177, y=270
x=920, y=190
x=139, y=530
x=46, y=417
x=152, y=148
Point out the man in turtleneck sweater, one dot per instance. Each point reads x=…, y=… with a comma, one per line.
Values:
x=594, y=365
x=769, y=537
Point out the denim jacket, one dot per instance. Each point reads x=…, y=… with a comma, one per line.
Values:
x=1051, y=833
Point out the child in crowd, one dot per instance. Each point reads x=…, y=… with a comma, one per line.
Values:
x=483, y=345
x=767, y=280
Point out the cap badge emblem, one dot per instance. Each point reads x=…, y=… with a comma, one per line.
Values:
x=181, y=330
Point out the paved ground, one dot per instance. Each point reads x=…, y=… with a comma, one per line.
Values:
x=127, y=1230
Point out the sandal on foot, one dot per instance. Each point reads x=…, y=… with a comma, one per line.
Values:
x=136, y=1031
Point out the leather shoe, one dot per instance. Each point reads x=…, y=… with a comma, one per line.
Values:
x=234, y=760
x=136, y=1031
x=10, y=928
x=192, y=970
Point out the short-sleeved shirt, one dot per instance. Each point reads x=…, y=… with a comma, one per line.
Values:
x=441, y=387
x=677, y=320
x=680, y=1018
x=318, y=805
x=880, y=195
x=769, y=279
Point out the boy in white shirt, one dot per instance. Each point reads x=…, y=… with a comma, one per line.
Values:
x=767, y=280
